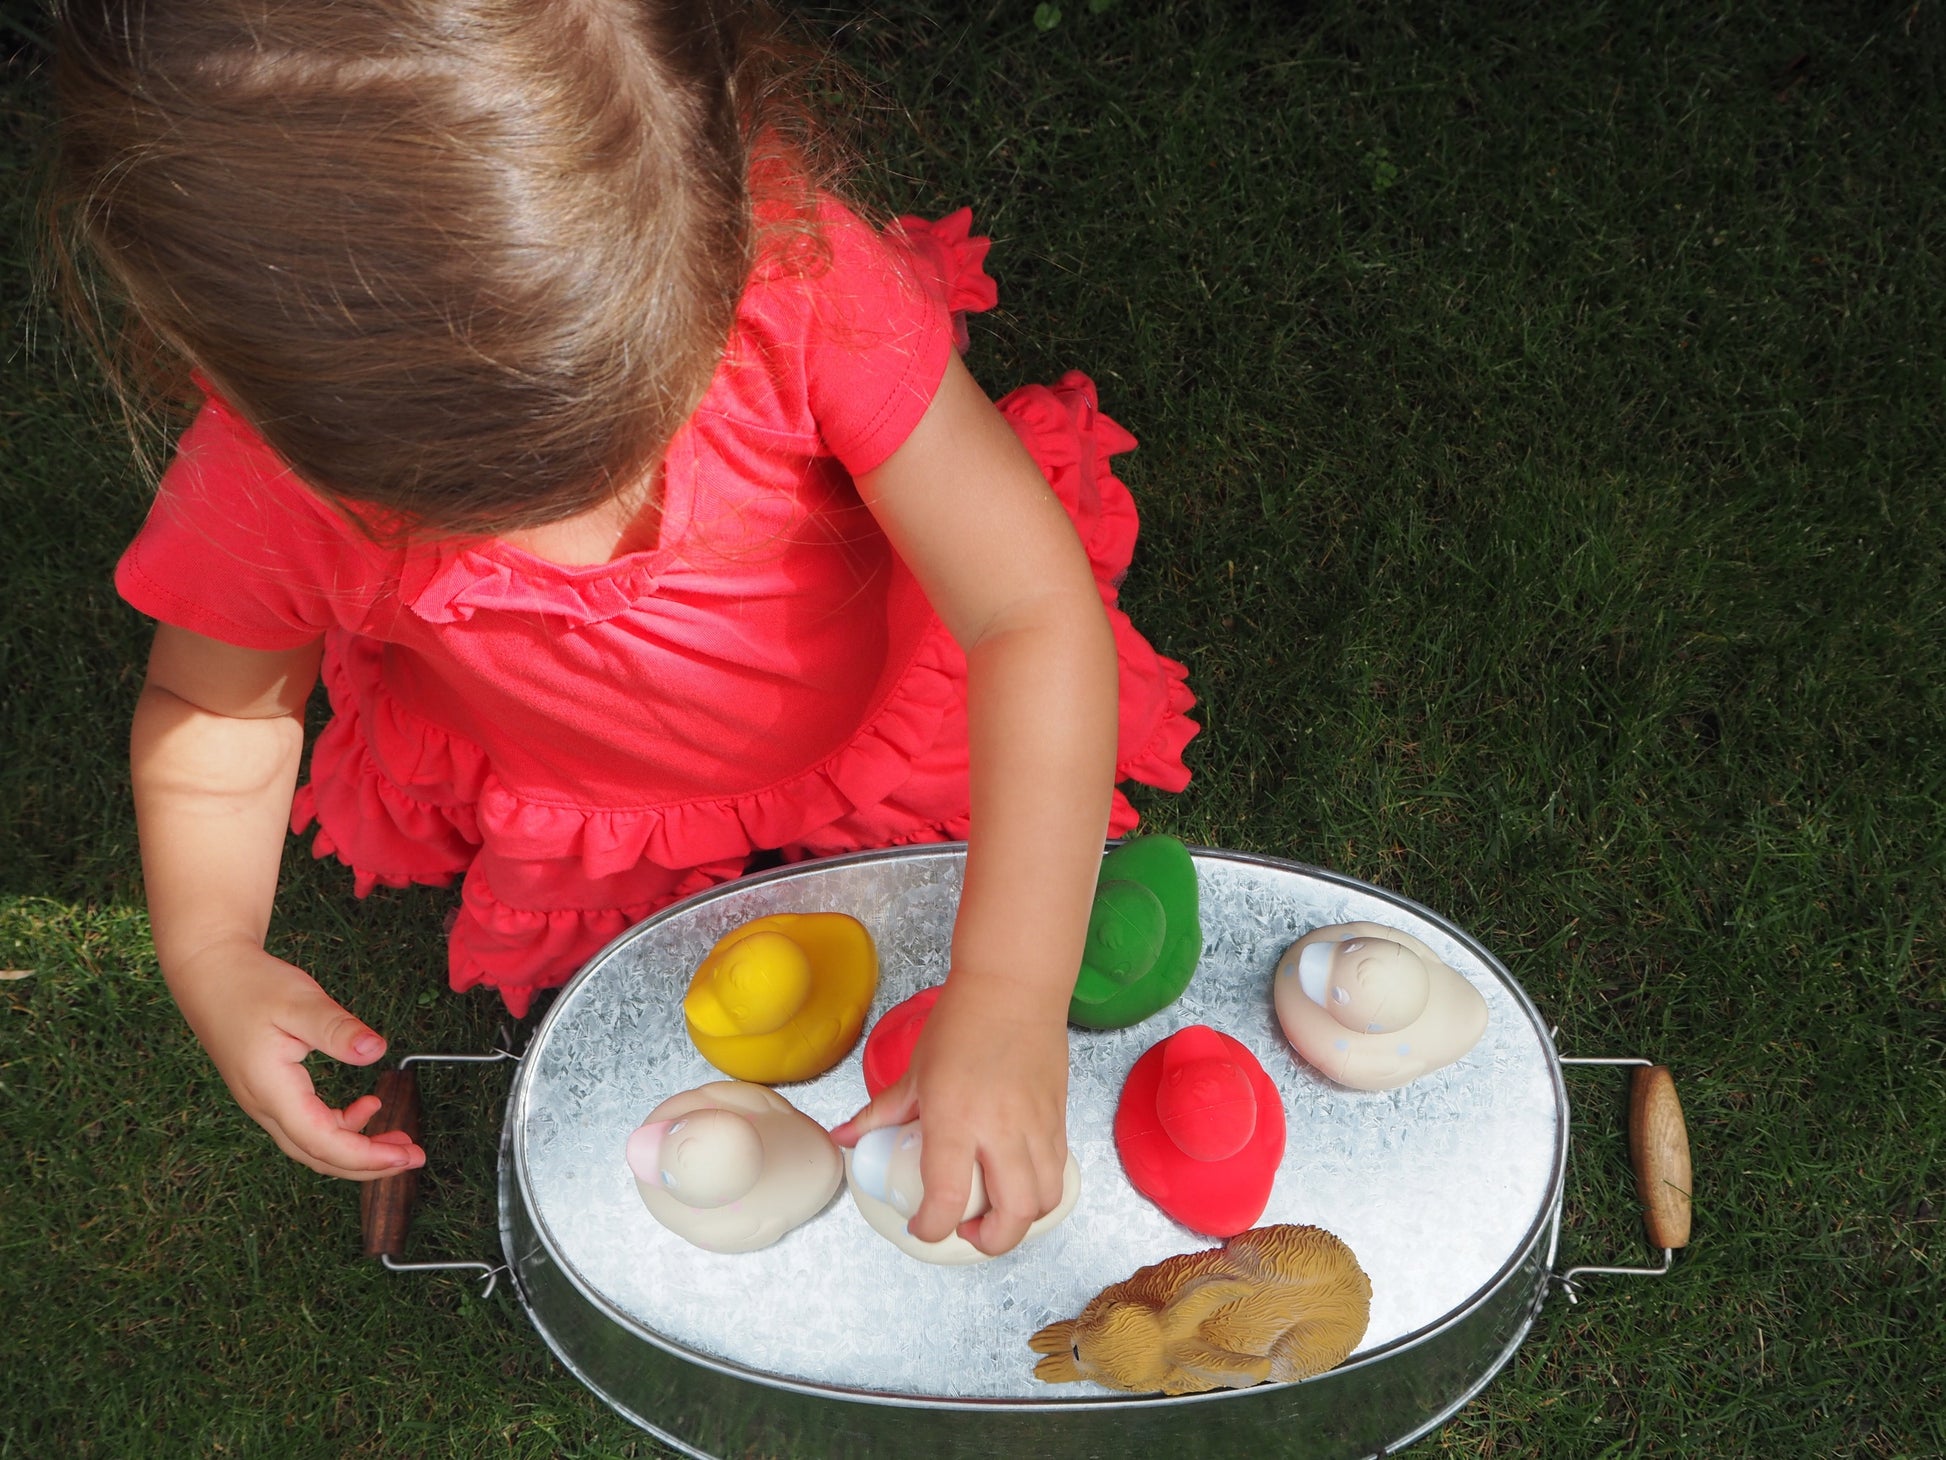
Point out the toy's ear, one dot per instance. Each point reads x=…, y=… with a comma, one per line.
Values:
x=1058, y=1369
x=1057, y=1342
x=1056, y=1338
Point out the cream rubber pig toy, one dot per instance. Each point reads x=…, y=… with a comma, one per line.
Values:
x=882, y=1171
x=1374, y=1008
x=731, y=1167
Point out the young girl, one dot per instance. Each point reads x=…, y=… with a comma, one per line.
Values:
x=629, y=495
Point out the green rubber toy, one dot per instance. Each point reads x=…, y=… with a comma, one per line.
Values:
x=1144, y=937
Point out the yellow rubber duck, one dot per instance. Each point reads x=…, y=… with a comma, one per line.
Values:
x=783, y=997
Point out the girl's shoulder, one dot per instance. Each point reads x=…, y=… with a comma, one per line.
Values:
x=235, y=546
x=848, y=325
x=820, y=264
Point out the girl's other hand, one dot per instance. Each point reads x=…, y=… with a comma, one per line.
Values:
x=992, y=1087
x=259, y=1017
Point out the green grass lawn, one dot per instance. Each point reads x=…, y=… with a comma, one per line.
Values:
x=1544, y=477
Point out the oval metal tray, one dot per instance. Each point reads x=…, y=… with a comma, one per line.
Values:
x=1447, y=1189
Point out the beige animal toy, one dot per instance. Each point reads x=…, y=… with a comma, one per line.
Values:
x=1274, y=1303
x=1373, y=1007
x=882, y=1171
x=731, y=1166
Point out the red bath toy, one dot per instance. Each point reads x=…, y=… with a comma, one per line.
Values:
x=888, y=1048
x=1200, y=1129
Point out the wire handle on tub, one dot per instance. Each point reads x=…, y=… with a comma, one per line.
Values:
x=1658, y=1149
x=385, y=1205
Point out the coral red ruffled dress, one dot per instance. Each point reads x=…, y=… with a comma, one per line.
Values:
x=584, y=745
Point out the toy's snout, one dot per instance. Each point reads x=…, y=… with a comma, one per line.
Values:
x=706, y=1159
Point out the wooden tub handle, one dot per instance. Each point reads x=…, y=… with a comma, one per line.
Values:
x=1658, y=1148
x=385, y=1205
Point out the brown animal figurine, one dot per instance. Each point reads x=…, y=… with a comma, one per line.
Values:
x=1278, y=1303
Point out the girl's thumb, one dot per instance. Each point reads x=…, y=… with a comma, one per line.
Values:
x=329, y=1027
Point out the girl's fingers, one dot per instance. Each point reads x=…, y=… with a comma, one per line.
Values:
x=1050, y=1179
x=329, y=1141
x=1012, y=1203
x=327, y=1168
x=995, y=1233
x=946, y=1172
x=319, y=1140
x=320, y=1022
x=895, y=1105
x=361, y=1110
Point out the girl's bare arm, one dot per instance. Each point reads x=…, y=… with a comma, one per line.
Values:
x=214, y=757
x=998, y=556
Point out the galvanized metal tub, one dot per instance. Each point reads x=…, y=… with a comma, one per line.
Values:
x=833, y=1343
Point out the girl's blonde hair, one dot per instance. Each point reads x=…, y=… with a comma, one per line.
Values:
x=470, y=263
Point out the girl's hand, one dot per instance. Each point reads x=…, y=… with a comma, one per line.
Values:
x=992, y=1087
x=259, y=1018
x=213, y=756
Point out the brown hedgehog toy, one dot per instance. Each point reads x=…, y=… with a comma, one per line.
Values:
x=1273, y=1303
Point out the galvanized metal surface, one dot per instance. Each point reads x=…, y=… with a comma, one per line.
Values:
x=833, y=1343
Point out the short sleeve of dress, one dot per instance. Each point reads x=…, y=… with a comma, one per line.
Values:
x=236, y=548
x=876, y=341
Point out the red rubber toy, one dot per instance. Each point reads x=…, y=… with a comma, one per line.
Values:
x=1200, y=1130
x=888, y=1048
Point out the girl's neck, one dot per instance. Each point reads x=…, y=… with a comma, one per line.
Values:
x=629, y=522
